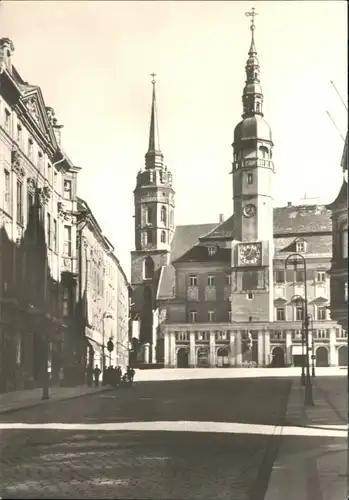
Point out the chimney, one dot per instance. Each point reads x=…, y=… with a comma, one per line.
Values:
x=221, y=218
x=289, y=203
x=51, y=115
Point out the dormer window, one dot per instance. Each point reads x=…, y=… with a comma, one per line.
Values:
x=212, y=250
x=301, y=246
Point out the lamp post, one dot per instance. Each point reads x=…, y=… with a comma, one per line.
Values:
x=296, y=257
x=299, y=300
x=312, y=346
x=105, y=316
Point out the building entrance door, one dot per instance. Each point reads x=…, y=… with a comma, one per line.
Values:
x=182, y=358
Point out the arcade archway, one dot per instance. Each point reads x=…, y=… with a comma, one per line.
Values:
x=321, y=355
x=222, y=357
x=343, y=356
x=182, y=358
x=278, y=357
x=203, y=358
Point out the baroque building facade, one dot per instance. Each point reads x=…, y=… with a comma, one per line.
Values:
x=42, y=321
x=37, y=230
x=103, y=297
x=226, y=298
x=339, y=264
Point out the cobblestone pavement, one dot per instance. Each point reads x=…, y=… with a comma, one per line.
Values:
x=147, y=465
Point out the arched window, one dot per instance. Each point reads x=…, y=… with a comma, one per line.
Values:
x=163, y=214
x=163, y=237
x=258, y=107
x=148, y=268
x=264, y=152
x=148, y=215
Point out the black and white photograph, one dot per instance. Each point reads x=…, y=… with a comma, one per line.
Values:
x=174, y=250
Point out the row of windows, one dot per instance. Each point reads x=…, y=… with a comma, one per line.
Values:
x=149, y=238
x=210, y=318
x=321, y=314
x=298, y=315
x=211, y=280
x=280, y=277
x=298, y=276
x=149, y=212
x=20, y=195
x=274, y=335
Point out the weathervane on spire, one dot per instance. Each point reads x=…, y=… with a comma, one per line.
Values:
x=153, y=75
x=252, y=14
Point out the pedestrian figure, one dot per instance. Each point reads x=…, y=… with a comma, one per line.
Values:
x=130, y=374
x=117, y=376
x=96, y=374
x=89, y=375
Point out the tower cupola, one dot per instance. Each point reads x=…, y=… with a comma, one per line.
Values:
x=253, y=125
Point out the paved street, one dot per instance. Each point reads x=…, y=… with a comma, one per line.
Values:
x=199, y=439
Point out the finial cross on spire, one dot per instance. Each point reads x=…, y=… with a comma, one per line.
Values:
x=252, y=14
x=153, y=75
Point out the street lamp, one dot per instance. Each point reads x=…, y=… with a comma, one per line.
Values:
x=296, y=257
x=299, y=300
x=312, y=346
x=105, y=316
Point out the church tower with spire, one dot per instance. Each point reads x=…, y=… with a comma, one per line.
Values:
x=154, y=227
x=253, y=172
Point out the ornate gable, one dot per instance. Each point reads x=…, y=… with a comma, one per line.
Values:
x=38, y=113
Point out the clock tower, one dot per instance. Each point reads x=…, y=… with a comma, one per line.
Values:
x=253, y=171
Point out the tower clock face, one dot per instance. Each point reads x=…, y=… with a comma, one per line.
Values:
x=250, y=254
x=249, y=210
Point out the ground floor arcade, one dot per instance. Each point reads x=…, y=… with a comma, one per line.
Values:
x=224, y=345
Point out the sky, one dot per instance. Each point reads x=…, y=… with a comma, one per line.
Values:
x=93, y=62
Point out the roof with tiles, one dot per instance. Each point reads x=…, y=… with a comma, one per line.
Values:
x=185, y=237
x=302, y=219
x=166, y=283
x=199, y=253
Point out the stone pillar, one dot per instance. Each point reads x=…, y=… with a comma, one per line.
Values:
x=146, y=352
x=173, y=350
x=166, y=350
x=212, y=350
x=261, y=349
x=192, y=362
x=232, y=345
x=267, y=353
x=333, y=354
x=238, y=351
x=288, y=357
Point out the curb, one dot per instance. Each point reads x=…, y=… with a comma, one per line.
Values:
x=47, y=401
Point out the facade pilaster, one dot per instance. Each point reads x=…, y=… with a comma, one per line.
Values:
x=267, y=355
x=173, y=356
x=261, y=348
x=232, y=345
x=212, y=349
x=288, y=359
x=192, y=349
x=166, y=349
x=238, y=348
x=333, y=361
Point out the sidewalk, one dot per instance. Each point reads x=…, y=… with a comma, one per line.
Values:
x=312, y=468
x=17, y=400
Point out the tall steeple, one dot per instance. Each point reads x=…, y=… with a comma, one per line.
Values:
x=252, y=95
x=154, y=157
